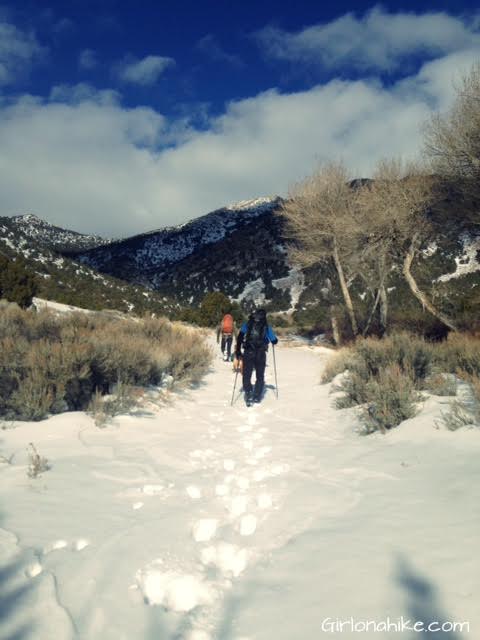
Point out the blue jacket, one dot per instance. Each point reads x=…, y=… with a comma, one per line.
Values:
x=269, y=336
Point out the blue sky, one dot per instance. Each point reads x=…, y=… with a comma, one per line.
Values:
x=120, y=117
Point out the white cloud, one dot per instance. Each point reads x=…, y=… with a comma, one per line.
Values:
x=83, y=92
x=87, y=59
x=378, y=41
x=18, y=50
x=143, y=72
x=83, y=161
x=80, y=159
x=211, y=48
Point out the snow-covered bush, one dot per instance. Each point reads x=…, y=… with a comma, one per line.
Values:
x=391, y=400
x=441, y=384
x=384, y=376
x=465, y=411
x=410, y=353
x=338, y=363
x=122, y=400
x=37, y=464
x=460, y=352
x=50, y=364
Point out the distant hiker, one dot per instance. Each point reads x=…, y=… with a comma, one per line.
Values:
x=227, y=331
x=255, y=336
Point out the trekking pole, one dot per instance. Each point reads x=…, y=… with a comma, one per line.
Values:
x=234, y=385
x=275, y=369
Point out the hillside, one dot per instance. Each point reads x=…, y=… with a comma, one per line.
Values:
x=50, y=236
x=242, y=251
x=64, y=280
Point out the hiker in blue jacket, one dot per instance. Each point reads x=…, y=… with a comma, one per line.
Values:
x=255, y=336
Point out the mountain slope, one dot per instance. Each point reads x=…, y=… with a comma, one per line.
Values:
x=63, y=280
x=50, y=236
x=150, y=252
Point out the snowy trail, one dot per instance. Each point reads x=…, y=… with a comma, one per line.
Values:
x=202, y=521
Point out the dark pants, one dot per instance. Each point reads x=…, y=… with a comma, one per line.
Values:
x=254, y=359
x=227, y=342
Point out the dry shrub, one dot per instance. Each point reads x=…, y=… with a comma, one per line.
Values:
x=459, y=352
x=51, y=363
x=190, y=358
x=410, y=353
x=123, y=399
x=339, y=362
x=383, y=377
x=441, y=384
x=391, y=400
x=37, y=464
x=466, y=410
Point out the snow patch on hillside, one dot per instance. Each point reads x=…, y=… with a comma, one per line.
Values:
x=58, y=307
x=256, y=203
x=253, y=292
x=52, y=236
x=294, y=283
x=467, y=262
x=167, y=246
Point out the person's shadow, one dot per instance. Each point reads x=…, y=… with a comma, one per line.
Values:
x=423, y=603
x=13, y=593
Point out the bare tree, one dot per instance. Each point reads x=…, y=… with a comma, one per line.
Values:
x=321, y=220
x=396, y=205
x=452, y=144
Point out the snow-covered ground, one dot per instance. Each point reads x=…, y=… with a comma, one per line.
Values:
x=202, y=521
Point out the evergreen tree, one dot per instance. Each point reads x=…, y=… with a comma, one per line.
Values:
x=17, y=284
x=213, y=306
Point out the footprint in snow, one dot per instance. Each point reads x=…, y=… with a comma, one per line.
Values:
x=248, y=525
x=77, y=545
x=226, y=557
x=204, y=529
x=222, y=490
x=176, y=592
x=33, y=570
x=264, y=501
x=152, y=489
x=80, y=544
x=243, y=428
x=262, y=452
x=237, y=506
x=243, y=483
x=55, y=546
x=194, y=492
x=202, y=455
x=198, y=634
x=229, y=465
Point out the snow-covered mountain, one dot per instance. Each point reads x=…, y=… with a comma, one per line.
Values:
x=64, y=280
x=241, y=250
x=154, y=250
x=238, y=249
x=51, y=236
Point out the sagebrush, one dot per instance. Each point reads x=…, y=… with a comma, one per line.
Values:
x=385, y=376
x=51, y=363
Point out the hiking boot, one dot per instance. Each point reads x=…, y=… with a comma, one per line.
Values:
x=257, y=399
x=248, y=398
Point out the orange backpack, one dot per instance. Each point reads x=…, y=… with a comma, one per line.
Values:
x=227, y=324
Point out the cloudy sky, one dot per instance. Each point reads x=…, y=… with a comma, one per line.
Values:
x=120, y=116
